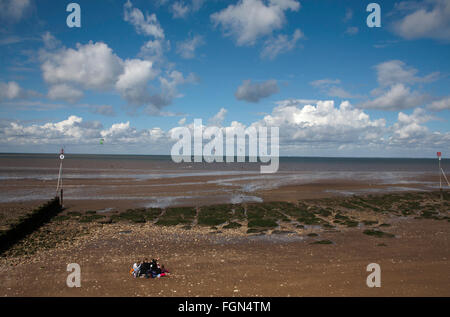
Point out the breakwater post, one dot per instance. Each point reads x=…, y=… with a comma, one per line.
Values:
x=29, y=223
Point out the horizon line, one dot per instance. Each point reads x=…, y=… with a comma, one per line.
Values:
x=281, y=156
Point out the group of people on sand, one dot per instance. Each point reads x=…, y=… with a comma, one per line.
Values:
x=149, y=269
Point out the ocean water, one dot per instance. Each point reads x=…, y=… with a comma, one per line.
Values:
x=156, y=181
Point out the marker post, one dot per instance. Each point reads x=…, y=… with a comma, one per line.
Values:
x=439, y=155
x=59, y=185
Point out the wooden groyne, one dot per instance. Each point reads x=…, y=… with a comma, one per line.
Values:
x=29, y=223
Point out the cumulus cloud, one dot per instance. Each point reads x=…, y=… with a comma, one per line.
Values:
x=323, y=123
x=254, y=92
x=132, y=83
x=74, y=130
x=318, y=126
x=409, y=128
x=186, y=49
x=281, y=44
x=144, y=24
x=427, y=19
x=250, y=20
x=13, y=10
x=95, y=67
x=91, y=66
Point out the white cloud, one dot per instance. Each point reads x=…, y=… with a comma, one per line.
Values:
x=91, y=66
x=186, y=49
x=64, y=92
x=323, y=123
x=395, y=71
x=153, y=50
x=296, y=102
x=179, y=10
x=182, y=121
x=438, y=105
x=429, y=19
x=147, y=25
x=281, y=44
x=50, y=41
x=408, y=127
x=394, y=93
x=10, y=90
x=254, y=92
x=169, y=90
x=74, y=130
x=135, y=73
x=304, y=129
x=397, y=97
x=249, y=20
x=218, y=118
x=133, y=82
x=70, y=130
x=326, y=81
x=13, y=10
x=95, y=67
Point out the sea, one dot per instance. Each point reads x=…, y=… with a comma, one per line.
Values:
x=157, y=181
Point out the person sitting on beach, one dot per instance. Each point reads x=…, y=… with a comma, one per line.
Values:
x=154, y=266
x=164, y=270
x=145, y=267
x=157, y=270
x=136, y=268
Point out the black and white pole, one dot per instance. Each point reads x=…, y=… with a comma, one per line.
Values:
x=59, y=185
x=439, y=155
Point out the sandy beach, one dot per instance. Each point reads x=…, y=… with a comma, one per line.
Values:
x=226, y=230
x=414, y=264
x=288, y=260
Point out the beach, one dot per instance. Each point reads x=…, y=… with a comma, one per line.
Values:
x=202, y=264
x=128, y=181
x=309, y=230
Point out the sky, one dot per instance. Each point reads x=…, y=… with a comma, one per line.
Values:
x=135, y=70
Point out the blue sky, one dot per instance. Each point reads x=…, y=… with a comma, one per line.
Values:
x=136, y=69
